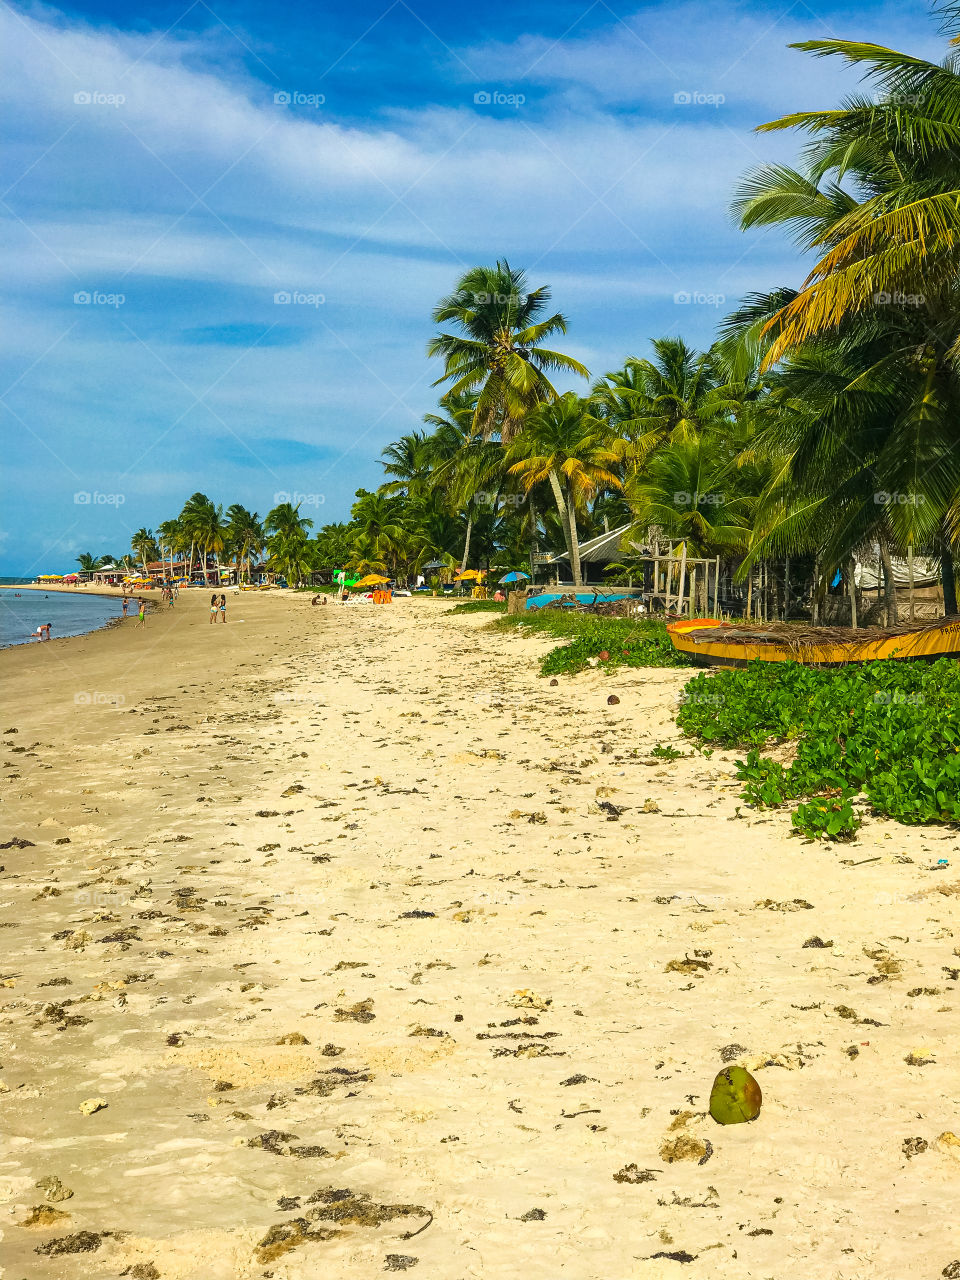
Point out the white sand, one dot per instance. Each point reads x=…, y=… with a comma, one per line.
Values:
x=536, y=1035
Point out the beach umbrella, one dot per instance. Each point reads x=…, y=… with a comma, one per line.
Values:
x=371, y=580
x=434, y=564
x=514, y=576
x=468, y=574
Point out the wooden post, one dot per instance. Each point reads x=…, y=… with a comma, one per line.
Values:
x=683, y=578
x=716, y=587
x=815, y=600
x=693, y=589
x=910, y=571
x=750, y=594
x=786, y=589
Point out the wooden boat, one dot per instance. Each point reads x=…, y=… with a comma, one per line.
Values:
x=724, y=644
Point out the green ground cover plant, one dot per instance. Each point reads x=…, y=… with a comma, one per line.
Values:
x=479, y=606
x=889, y=731
x=613, y=642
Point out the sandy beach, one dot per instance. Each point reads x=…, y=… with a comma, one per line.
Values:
x=339, y=942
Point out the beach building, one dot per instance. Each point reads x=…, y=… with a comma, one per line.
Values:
x=610, y=547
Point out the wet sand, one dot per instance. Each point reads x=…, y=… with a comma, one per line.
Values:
x=366, y=949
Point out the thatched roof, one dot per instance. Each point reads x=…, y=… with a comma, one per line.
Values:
x=604, y=549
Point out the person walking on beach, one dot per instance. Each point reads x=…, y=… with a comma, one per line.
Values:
x=124, y=604
x=223, y=609
x=142, y=613
x=214, y=609
x=170, y=597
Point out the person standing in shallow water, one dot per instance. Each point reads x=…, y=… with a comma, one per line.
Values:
x=124, y=605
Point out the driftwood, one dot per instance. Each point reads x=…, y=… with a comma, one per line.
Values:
x=602, y=608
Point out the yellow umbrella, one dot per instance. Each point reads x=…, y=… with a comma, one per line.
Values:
x=469, y=573
x=371, y=580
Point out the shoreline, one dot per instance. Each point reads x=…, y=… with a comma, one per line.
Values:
x=107, y=625
x=325, y=908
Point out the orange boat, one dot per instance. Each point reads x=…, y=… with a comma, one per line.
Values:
x=711, y=643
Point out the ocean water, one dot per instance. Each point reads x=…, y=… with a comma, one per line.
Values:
x=69, y=615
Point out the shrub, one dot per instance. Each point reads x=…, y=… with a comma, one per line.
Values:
x=887, y=730
x=626, y=642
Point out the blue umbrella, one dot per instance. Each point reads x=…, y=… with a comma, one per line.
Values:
x=515, y=576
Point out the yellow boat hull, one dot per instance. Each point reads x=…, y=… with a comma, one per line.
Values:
x=927, y=644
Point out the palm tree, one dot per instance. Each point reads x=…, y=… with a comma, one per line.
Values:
x=690, y=493
x=897, y=363
x=246, y=535
x=286, y=518
x=89, y=563
x=673, y=396
x=291, y=554
x=194, y=519
x=170, y=535
x=564, y=445
x=898, y=231
x=212, y=535
x=143, y=544
x=496, y=350
x=379, y=521
x=408, y=461
x=462, y=463
x=334, y=546
x=288, y=542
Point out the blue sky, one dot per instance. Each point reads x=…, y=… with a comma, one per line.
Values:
x=174, y=168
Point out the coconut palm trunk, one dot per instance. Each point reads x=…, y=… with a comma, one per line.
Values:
x=948, y=575
x=562, y=508
x=850, y=573
x=466, y=544
x=889, y=585
x=574, y=541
